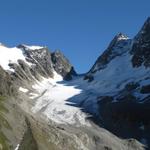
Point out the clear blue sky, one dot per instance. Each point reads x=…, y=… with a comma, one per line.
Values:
x=82, y=29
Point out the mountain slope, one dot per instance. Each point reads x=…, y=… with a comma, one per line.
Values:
x=124, y=85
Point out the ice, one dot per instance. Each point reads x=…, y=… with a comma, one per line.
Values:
x=53, y=101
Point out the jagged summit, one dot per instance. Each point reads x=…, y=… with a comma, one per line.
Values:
x=121, y=36
x=141, y=46
x=117, y=39
x=58, y=51
x=147, y=21
x=144, y=32
x=62, y=65
x=117, y=47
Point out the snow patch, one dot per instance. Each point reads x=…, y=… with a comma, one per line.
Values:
x=17, y=148
x=10, y=55
x=23, y=90
x=33, y=95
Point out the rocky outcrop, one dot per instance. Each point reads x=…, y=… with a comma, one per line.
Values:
x=28, y=142
x=141, y=46
x=40, y=60
x=6, y=87
x=125, y=117
x=44, y=63
x=62, y=65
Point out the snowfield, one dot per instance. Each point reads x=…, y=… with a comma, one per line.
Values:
x=117, y=74
x=52, y=102
x=10, y=55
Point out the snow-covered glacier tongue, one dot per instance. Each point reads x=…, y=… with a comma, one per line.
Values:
x=51, y=100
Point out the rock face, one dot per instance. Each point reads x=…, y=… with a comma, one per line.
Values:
x=141, y=47
x=41, y=60
x=28, y=141
x=62, y=65
x=45, y=63
x=6, y=87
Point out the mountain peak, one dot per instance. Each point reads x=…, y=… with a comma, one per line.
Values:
x=144, y=32
x=146, y=25
x=118, y=46
x=141, y=46
x=62, y=65
x=148, y=20
x=58, y=52
x=121, y=36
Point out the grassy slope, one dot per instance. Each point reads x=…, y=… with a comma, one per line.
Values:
x=3, y=124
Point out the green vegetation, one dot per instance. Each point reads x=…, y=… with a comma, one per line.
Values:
x=3, y=110
x=3, y=123
x=2, y=98
x=3, y=142
x=28, y=142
